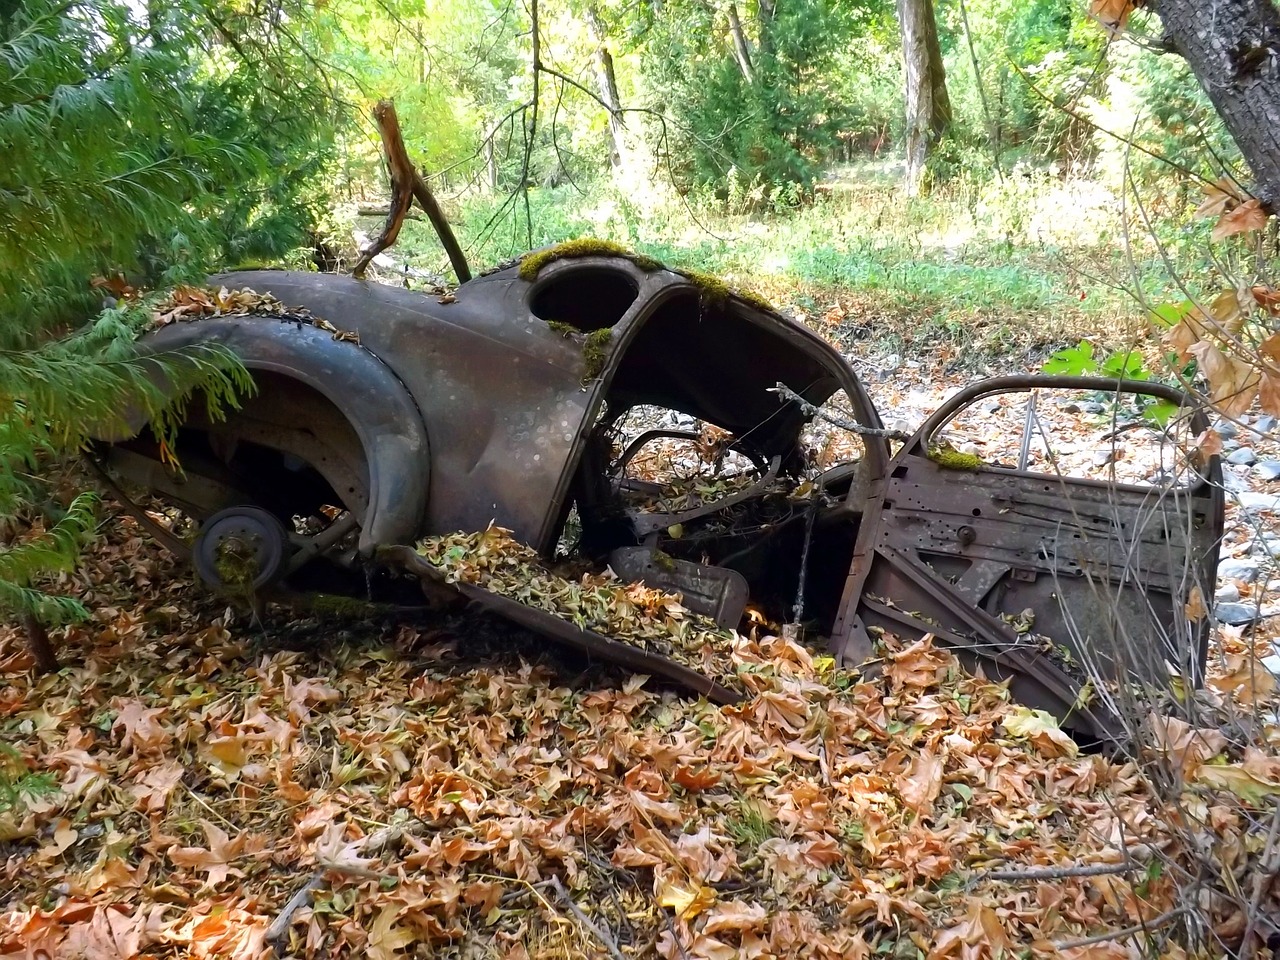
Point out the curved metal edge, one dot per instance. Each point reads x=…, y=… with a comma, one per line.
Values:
x=1026, y=381
x=361, y=386
x=551, y=626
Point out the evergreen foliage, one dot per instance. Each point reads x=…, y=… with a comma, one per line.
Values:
x=150, y=143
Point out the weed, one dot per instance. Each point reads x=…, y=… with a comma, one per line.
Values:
x=751, y=825
x=19, y=783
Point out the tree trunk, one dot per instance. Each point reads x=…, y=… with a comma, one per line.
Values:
x=741, y=52
x=1233, y=48
x=607, y=82
x=928, y=106
x=766, y=10
x=38, y=644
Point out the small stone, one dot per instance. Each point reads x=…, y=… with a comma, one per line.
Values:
x=991, y=406
x=1258, y=502
x=1244, y=455
x=1071, y=407
x=1267, y=547
x=1234, y=481
x=1226, y=429
x=891, y=363
x=1227, y=593
x=1267, y=470
x=1230, y=446
x=1238, y=568
x=1272, y=663
x=1092, y=407
x=1236, y=614
x=1102, y=457
x=1265, y=424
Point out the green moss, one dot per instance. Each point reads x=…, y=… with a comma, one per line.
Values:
x=236, y=564
x=532, y=263
x=595, y=350
x=950, y=459
x=757, y=301
x=714, y=290
x=565, y=330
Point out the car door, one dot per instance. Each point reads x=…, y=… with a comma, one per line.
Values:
x=1035, y=573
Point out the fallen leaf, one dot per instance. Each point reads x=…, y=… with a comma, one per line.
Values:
x=1245, y=218
x=1041, y=729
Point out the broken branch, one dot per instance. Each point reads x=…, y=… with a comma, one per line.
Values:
x=604, y=938
x=407, y=185
x=786, y=393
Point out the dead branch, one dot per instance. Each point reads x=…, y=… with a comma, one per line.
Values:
x=1152, y=924
x=1059, y=873
x=382, y=210
x=786, y=393
x=407, y=185
x=605, y=939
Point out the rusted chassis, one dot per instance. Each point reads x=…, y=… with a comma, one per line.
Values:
x=449, y=416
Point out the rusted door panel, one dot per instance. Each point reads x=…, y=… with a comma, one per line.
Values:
x=1035, y=576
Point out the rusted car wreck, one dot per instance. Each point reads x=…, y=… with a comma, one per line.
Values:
x=407, y=415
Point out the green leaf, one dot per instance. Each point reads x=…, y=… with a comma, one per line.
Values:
x=1169, y=314
x=1125, y=366
x=1074, y=361
x=1160, y=412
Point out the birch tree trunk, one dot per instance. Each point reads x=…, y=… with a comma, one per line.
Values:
x=741, y=52
x=1233, y=48
x=928, y=106
x=607, y=82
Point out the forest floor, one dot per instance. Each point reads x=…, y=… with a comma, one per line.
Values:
x=447, y=786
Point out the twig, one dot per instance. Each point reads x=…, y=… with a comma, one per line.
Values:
x=586, y=921
x=1058, y=873
x=785, y=392
x=1137, y=928
x=280, y=925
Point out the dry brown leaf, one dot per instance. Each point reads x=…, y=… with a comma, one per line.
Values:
x=922, y=783
x=685, y=897
x=1229, y=310
x=1247, y=217
x=386, y=936
x=1219, y=197
x=1233, y=383
x=1112, y=14
x=1194, y=607
x=1269, y=394
x=1268, y=298
x=735, y=916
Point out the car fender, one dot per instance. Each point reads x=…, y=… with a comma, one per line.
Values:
x=361, y=386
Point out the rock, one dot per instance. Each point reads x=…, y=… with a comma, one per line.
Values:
x=890, y=363
x=1236, y=614
x=1093, y=407
x=1234, y=481
x=1258, y=502
x=1267, y=547
x=1244, y=455
x=1227, y=593
x=1272, y=663
x=1267, y=470
x=1230, y=446
x=1226, y=429
x=991, y=406
x=1102, y=457
x=1239, y=568
x=1071, y=407
x=1265, y=424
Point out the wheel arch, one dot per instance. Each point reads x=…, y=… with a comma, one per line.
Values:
x=359, y=386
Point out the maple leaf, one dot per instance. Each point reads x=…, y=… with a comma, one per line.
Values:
x=1234, y=778
x=1112, y=14
x=1218, y=197
x=386, y=936
x=735, y=916
x=920, y=786
x=1233, y=383
x=1268, y=298
x=1042, y=730
x=686, y=898
x=141, y=727
x=977, y=933
x=1245, y=218
x=1269, y=394
x=214, y=861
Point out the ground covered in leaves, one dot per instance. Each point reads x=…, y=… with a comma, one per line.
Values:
x=187, y=774
x=196, y=783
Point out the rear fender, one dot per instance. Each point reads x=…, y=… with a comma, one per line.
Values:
x=362, y=388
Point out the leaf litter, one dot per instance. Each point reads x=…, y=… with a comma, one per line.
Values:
x=200, y=776
x=187, y=775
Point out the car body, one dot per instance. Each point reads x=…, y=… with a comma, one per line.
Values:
x=405, y=415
